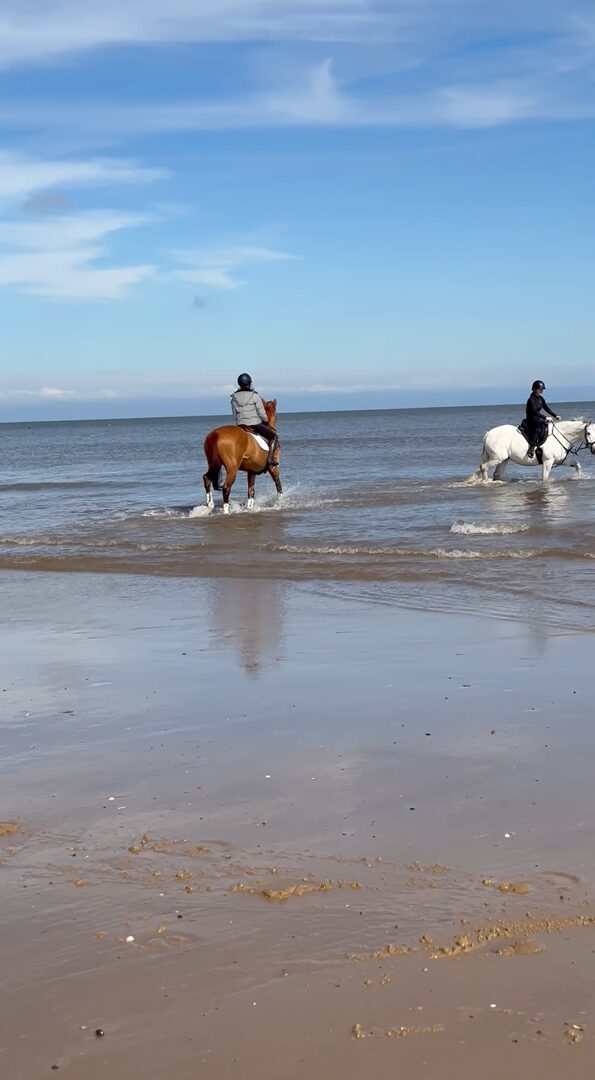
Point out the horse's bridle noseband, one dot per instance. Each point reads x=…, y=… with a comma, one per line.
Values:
x=585, y=444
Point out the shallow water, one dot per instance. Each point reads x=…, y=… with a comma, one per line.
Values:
x=376, y=506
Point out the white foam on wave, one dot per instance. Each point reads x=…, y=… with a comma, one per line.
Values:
x=199, y=511
x=338, y=549
x=403, y=553
x=173, y=512
x=471, y=528
x=472, y=553
x=59, y=541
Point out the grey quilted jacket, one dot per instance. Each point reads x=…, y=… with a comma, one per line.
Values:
x=247, y=408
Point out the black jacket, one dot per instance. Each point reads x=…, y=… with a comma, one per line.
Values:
x=537, y=410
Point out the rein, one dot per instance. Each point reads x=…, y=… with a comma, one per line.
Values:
x=570, y=449
x=584, y=444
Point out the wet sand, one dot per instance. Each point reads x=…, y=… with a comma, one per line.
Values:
x=256, y=830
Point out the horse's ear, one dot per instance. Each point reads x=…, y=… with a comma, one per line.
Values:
x=274, y=401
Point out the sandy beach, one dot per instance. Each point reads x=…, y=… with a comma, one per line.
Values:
x=254, y=830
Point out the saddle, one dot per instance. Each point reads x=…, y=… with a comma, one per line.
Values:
x=261, y=442
x=523, y=429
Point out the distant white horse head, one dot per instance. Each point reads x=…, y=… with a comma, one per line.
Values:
x=564, y=439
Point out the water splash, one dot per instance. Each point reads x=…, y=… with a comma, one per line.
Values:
x=470, y=528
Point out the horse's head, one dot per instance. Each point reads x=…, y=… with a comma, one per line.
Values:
x=590, y=435
x=270, y=407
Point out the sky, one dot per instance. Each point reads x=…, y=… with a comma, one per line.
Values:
x=359, y=202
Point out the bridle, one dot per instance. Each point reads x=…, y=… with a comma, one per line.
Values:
x=585, y=443
x=588, y=445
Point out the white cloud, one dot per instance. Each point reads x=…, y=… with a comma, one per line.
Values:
x=64, y=256
x=69, y=274
x=65, y=231
x=215, y=267
x=21, y=175
x=36, y=31
x=61, y=256
x=55, y=393
x=321, y=100
x=473, y=64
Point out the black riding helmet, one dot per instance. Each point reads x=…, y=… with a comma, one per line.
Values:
x=538, y=385
x=244, y=381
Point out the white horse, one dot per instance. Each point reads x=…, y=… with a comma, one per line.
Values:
x=564, y=439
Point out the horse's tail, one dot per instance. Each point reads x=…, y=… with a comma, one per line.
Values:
x=213, y=460
x=214, y=473
x=485, y=457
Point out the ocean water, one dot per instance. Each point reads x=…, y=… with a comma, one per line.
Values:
x=377, y=506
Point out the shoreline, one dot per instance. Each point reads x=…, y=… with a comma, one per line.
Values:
x=184, y=749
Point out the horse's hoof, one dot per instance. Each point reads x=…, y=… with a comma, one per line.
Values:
x=226, y=508
x=250, y=504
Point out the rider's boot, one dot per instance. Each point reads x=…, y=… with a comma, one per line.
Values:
x=272, y=448
x=531, y=452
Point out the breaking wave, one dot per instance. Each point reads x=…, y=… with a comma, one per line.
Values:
x=470, y=528
x=408, y=553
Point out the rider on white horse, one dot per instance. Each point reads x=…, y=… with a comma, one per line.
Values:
x=537, y=412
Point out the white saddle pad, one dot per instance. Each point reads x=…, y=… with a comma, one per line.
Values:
x=261, y=442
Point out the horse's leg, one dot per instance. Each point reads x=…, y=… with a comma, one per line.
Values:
x=489, y=463
x=499, y=470
x=275, y=473
x=211, y=477
x=209, y=494
x=546, y=468
x=575, y=464
x=231, y=471
x=251, y=489
x=489, y=460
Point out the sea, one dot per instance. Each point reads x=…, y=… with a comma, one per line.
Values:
x=377, y=506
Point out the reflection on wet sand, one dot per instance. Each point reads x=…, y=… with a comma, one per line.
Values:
x=367, y=847
x=248, y=616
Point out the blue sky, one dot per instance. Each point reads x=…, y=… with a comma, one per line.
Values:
x=359, y=202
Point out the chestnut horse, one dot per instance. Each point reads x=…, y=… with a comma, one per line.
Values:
x=233, y=448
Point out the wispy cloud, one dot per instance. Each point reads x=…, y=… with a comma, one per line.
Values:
x=61, y=256
x=55, y=393
x=474, y=64
x=216, y=268
x=37, y=31
x=70, y=274
x=65, y=232
x=322, y=100
x=22, y=175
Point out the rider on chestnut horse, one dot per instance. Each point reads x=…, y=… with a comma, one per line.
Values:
x=249, y=412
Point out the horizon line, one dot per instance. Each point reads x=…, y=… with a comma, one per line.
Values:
x=294, y=412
